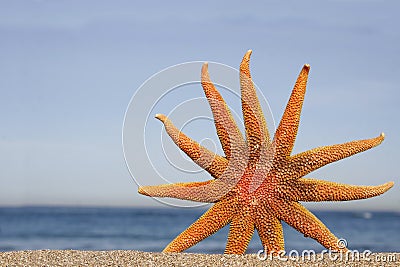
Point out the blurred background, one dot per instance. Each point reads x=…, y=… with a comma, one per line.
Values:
x=68, y=70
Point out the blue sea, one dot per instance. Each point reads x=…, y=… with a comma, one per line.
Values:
x=151, y=229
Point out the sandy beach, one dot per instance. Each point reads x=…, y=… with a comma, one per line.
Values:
x=137, y=258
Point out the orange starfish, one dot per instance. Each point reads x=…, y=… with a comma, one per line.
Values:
x=258, y=183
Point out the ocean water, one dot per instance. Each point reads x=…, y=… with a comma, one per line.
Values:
x=151, y=229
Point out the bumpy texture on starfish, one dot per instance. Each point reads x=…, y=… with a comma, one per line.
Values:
x=258, y=183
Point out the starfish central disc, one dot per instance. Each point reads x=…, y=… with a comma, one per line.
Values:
x=258, y=184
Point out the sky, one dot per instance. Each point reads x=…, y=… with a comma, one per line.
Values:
x=69, y=69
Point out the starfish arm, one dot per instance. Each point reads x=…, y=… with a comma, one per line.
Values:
x=254, y=121
x=227, y=130
x=177, y=190
x=318, y=190
x=219, y=215
x=297, y=216
x=310, y=160
x=240, y=232
x=270, y=231
x=286, y=132
x=206, y=159
x=207, y=191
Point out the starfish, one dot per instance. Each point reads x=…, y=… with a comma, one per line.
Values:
x=258, y=183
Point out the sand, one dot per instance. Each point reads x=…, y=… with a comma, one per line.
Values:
x=137, y=258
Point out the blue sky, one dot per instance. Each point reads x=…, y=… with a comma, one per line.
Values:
x=68, y=70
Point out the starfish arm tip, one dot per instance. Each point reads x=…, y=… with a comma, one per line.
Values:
x=161, y=117
x=204, y=72
x=389, y=185
x=246, y=59
x=380, y=138
x=244, y=65
x=306, y=68
x=142, y=190
x=247, y=56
